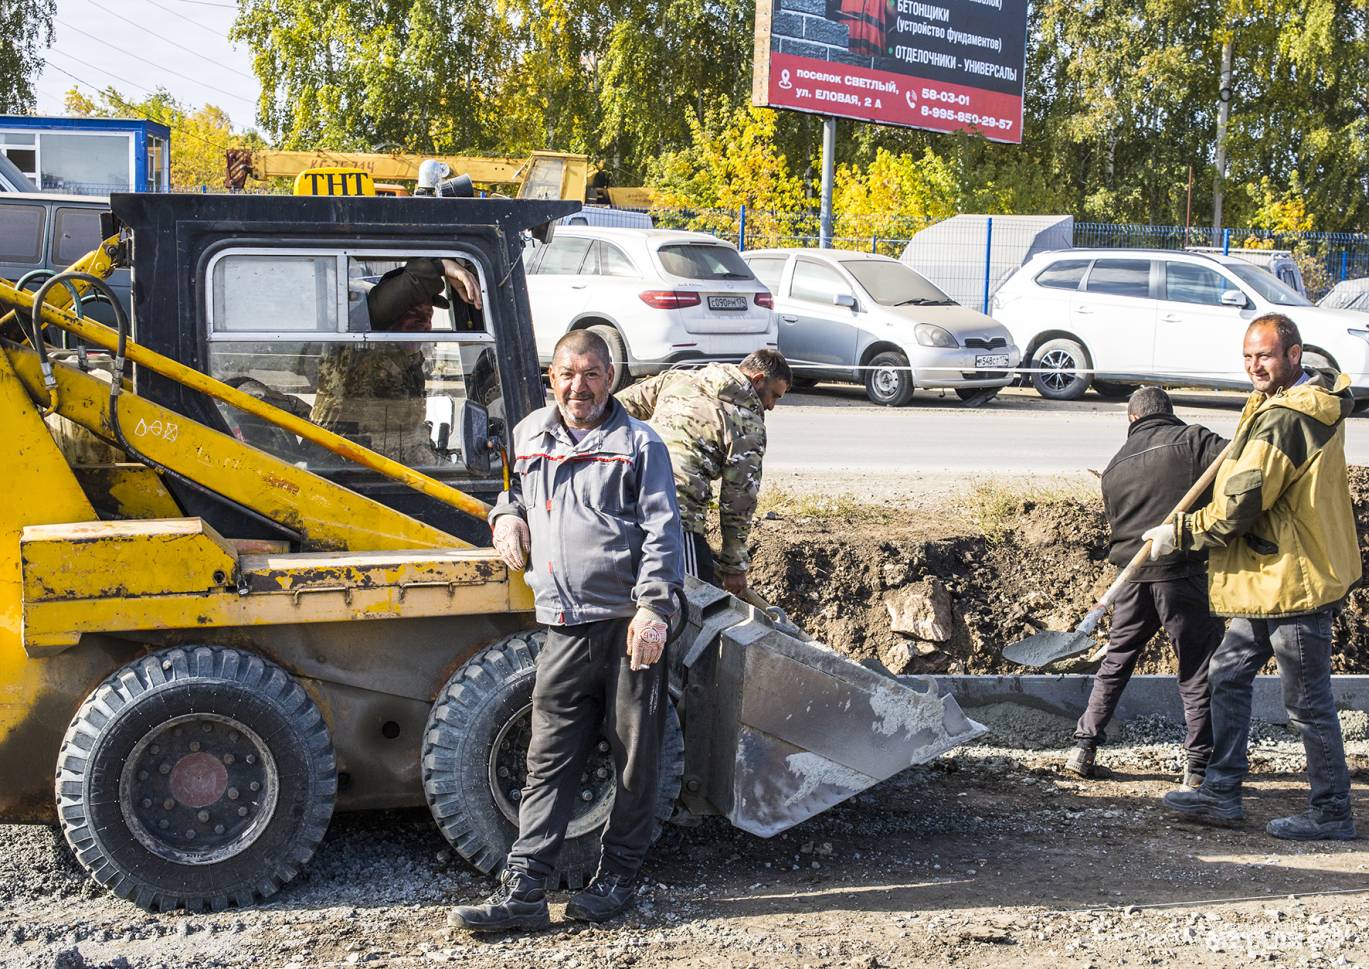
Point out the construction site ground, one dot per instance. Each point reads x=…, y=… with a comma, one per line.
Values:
x=986, y=857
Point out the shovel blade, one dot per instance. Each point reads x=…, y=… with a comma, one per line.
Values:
x=1047, y=647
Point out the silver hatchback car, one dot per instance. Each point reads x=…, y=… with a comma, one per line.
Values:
x=862, y=318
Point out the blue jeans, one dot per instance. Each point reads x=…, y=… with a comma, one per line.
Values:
x=1302, y=647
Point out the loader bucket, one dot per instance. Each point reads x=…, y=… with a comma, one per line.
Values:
x=778, y=729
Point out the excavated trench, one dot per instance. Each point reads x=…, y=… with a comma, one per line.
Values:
x=1042, y=566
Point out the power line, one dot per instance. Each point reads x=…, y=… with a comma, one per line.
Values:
x=196, y=23
x=207, y=3
x=168, y=40
x=162, y=121
x=162, y=67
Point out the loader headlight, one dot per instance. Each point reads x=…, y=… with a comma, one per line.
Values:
x=931, y=335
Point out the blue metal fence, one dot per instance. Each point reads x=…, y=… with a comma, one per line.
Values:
x=1325, y=257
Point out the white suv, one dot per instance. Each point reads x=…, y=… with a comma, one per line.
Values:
x=1118, y=317
x=658, y=297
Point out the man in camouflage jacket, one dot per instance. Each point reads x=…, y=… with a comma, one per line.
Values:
x=713, y=423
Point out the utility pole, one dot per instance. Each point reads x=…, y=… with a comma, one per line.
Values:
x=829, y=152
x=1223, y=115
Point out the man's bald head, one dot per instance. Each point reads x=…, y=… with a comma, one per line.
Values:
x=581, y=342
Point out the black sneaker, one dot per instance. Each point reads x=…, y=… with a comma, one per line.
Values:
x=1080, y=761
x=1312, y=826
x=1202, y=805
x=520, y=902
x=605, y=898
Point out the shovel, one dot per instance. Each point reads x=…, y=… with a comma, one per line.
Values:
x=1048, y=646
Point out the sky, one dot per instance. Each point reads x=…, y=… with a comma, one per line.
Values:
x=140, y=45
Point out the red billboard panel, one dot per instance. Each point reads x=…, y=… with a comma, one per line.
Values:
x=942, y=65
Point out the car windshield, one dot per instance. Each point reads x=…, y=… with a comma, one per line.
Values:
x=894, y=284
x=1268, y=285
x=701, y=260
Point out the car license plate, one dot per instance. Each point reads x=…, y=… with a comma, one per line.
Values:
x=727, y=302
x=994, y=360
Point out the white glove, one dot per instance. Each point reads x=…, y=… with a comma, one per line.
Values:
x=512, y=540
x=646, y=636
x=1163, y=540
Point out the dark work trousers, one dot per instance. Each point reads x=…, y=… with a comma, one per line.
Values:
x=586, y=689
x=1180, y=606
x=698, y=558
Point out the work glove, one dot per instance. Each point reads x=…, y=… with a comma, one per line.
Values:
x=734, y=582
x=512, y=540
x=1163, y=540
x=646, y=636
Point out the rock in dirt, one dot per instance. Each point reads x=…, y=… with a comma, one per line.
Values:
x=922, y=610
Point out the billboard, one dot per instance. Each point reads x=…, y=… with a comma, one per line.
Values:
x=942, y=65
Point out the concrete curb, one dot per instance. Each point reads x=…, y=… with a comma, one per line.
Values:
x=1067, y=694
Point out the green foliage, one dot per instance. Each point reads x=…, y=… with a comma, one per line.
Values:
x=25, y=28
x=1121, y=100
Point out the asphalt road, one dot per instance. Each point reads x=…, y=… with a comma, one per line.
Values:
x=833, y=435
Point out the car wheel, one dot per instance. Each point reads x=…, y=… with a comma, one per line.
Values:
x=888, y=381
x=617, y=351
x=803, y=383
x=1112, y=391
x=1057, y=363
x=200, y=777
x=475, y=753
x=1316, y=360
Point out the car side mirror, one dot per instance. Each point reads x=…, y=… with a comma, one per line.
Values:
x=474, y=422
x=1234, y=297
x=847, y=300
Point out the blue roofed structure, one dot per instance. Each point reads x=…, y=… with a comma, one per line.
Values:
x=88, y=156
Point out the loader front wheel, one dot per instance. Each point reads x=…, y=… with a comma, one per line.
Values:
x=475, y=763
x=198, y=777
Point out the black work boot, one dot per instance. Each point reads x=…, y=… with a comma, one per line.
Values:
x=1080, y=761
x=606, y=897
x=520, y=902
x=1205, y=805
x=1313, y=825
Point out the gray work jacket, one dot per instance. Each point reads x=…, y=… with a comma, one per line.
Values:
x=602, y=515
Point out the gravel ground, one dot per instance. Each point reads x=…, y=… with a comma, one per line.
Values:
x=989, y=857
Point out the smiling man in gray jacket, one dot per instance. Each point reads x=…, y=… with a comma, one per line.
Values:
x=591, y=513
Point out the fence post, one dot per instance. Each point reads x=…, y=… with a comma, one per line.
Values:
x=874, y=244
x=988, y=254
x=741, y=228
x=1226, y=242
x=1344, y=260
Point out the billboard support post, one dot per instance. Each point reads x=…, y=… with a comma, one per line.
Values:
x=829, y=151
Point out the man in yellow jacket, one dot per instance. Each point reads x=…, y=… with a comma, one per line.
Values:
x=1283, y=554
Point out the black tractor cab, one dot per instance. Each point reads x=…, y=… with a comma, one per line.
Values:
x=400, y=323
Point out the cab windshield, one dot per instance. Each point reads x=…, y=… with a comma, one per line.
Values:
x=894, y=284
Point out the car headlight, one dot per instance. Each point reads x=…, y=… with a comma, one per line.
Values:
x=931, y=335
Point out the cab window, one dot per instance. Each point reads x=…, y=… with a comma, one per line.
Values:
x=360, y=343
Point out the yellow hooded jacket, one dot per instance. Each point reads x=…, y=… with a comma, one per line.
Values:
x=1280, y=526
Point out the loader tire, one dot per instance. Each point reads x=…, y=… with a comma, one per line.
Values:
x=474, y=763
x=196, y=777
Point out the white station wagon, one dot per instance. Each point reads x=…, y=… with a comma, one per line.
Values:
x=659, y=298
x=1115, y=318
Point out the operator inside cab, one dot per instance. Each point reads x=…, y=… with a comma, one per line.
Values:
x=375, y=393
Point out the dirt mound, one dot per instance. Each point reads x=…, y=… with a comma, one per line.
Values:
x=1033, y=564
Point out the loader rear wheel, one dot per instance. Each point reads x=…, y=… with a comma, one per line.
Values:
x=475, y=755
x=197, y=777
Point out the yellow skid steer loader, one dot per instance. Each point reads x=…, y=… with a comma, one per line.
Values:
x=244, y=574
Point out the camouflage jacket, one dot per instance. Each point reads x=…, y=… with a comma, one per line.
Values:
x=713, y=424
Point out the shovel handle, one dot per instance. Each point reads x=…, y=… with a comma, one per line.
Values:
x=1143, y=553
